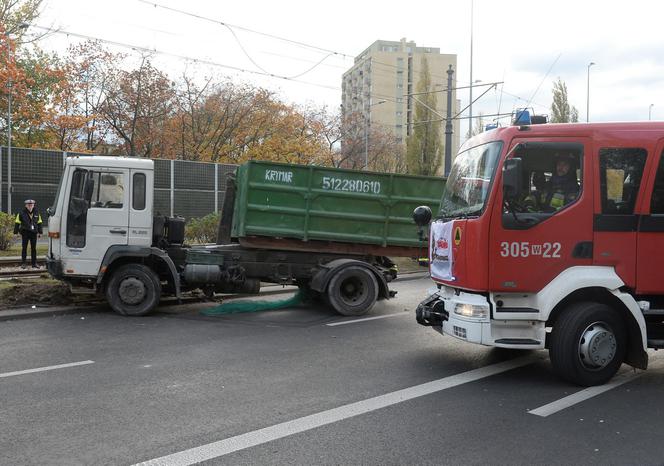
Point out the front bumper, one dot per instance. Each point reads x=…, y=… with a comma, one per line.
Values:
x=438, y=311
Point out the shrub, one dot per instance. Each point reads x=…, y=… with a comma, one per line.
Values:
x=6, y=231
x=203, y=229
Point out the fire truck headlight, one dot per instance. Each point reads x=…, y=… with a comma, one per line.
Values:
x=471, y=310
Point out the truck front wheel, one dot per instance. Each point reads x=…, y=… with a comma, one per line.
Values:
x=133, y=290
x=352, y=291
x=588, y=343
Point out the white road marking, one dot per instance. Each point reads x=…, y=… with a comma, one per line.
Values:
x=313, y=421
x=354, y=321
x=46, y=368
x=583, y=395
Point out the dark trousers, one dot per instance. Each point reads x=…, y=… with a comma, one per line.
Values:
x=32, y=238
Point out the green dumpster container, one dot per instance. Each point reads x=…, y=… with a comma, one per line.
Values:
x=330, y=204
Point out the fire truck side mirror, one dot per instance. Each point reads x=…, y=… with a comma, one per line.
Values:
x=422, y=216
x=512, y=178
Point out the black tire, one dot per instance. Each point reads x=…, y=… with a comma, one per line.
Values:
x=352, y=291
x=588, y=344
x=133, y=290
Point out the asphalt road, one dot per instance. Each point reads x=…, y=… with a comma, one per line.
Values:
x=285, y=387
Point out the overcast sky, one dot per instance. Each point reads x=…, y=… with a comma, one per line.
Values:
x=514, y=41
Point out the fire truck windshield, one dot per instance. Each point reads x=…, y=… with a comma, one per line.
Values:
x=469, y=181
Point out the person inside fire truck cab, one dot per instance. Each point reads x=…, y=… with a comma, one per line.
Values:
x=563, y=187
x=535, y=197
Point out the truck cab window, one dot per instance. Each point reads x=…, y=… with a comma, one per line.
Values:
x=620, y=172
x=77, y=211
x=551, y=181
x=138, y=192
x=657, y=200
x=109, y=191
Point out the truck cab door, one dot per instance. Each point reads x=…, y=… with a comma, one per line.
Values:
x=140, y=210
x=97, y=218
x=615, y=221
x=650, y=253
x=546, y=227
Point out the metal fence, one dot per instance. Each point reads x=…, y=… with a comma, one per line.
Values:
x=188, y=189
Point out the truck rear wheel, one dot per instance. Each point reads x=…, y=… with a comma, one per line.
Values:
x=133, y=290
x=588, y=344
x=353, y=291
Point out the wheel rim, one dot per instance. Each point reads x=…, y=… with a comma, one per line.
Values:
x=353, y=290
x=132, y=291
x=597, y=346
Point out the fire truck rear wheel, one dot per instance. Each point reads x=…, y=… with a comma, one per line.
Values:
x=133, y=290
x=352, y=291
x=588, y=343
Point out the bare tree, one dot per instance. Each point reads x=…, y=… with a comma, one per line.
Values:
x=137, y=105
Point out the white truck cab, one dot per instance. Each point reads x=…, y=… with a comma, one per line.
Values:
x=101, y=202
x=102, y=232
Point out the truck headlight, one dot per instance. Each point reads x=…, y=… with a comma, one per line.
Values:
x=471, y=310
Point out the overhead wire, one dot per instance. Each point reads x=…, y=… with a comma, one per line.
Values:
x=239, y=42
x=273, y=36
x=181, y=57
x=243, y=28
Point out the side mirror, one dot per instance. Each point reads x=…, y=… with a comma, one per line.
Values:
x=88, y=189
x=49, y=212
x=512, y=178
x=422, y=216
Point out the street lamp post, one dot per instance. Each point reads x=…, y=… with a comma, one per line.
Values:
x=650, y=111
x=366, y=132
x=10, y=85
x=588, y=93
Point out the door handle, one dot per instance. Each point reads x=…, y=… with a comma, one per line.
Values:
x=118, y=232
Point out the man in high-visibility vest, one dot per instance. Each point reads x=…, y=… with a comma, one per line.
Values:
x=563, y=187
x=29, y=224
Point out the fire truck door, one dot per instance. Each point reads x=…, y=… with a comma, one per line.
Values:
x=549, y=227
x=650, y=243
x=615, y=222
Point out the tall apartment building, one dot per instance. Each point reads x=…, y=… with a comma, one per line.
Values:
x=378, y=85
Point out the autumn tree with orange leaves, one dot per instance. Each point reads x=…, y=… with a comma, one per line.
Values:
x=87, y=101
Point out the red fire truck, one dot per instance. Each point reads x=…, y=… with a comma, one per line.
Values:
x=552, y=236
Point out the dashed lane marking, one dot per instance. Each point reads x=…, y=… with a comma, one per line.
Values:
x=46, y=368
x=583, y=395
x=313, y=421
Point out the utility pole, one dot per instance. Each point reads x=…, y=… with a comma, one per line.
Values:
x=470, y=89
x=448, y=122
x=588, y=94
x=10, y=85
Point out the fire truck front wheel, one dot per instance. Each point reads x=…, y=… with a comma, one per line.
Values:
x=588, y=343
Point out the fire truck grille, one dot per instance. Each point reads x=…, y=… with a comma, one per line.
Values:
x=459, y=332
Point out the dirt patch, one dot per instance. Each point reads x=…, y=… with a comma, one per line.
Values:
x=408, y=265
x=24, y=293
